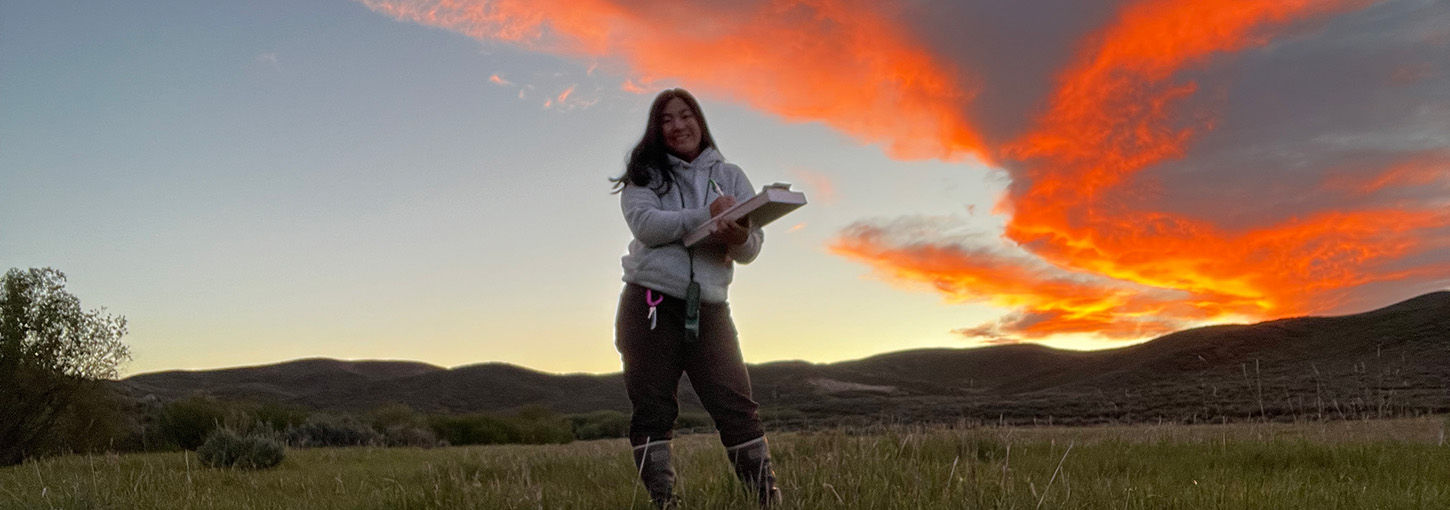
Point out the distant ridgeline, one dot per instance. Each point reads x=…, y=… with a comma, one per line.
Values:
x=1389, y=362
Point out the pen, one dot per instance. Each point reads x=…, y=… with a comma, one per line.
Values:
x=716, y=187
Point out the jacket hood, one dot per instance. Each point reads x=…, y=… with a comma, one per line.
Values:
x=707, y=157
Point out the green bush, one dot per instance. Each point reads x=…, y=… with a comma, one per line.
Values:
x=531, y=425
x=98, y=419
x=224, y=448
x=401, y=426
x=278, y=416
x=186, y=423
x=782, y=415
x=696, y=422
x=615, y=424
x=541, y=425
x=600, y=425
x=473, y=429
x=324, y=430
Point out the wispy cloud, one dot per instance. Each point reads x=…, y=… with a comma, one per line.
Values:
x=817, y=183
x=568, y=100
x=633, y=88
x=786, y=58
x=267, y=59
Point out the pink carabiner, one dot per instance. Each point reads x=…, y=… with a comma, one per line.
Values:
x=650, y=300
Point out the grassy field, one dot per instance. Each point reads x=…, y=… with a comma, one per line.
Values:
x=1357, y=464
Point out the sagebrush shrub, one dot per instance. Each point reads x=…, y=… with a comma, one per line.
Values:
x=224, y=448
x=400, y=425
x=324, y=430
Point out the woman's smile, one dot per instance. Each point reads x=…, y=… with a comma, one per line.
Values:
x=681, y=130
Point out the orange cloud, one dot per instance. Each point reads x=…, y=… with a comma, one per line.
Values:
x=1419, y=169
x=1050, y=300
x=1117, y=113
x=842, y=62
x=1103, y=261
x=1112, y=112
x=1090, y=250
x=631, y=87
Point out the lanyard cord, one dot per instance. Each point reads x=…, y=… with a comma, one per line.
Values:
x=688, y=250
x=692, y=292
x=706, y=203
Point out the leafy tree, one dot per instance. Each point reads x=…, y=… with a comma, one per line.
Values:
x=50, y=349
x=98, y=418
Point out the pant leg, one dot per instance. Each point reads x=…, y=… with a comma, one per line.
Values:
x=653, y=362
x=717, y=371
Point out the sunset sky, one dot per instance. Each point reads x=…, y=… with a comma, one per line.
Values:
x=252, y=182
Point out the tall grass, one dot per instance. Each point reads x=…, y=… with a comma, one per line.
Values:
x=1358, y=464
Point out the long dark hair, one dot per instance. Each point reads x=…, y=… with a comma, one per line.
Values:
x=649, y=162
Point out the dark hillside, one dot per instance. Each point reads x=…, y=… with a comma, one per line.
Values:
x=488, y=386
x=1394, y=360
x=282, y=381
x=1005, y=368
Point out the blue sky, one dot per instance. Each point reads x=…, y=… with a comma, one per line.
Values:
x=254, y=182
x=251, y=182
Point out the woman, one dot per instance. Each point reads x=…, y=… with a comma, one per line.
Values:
x=673, y=316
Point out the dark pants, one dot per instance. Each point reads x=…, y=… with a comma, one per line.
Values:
x=655, y=358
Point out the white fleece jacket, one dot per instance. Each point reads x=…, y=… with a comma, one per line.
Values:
x=657, y=256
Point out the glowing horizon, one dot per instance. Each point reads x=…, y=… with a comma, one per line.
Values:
x=425, y=179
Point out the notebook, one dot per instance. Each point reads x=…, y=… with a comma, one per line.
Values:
x=773, y=201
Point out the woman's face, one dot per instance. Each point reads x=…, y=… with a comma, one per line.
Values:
x=681, y=130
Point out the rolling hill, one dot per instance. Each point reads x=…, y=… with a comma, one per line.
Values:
x=1394, y=360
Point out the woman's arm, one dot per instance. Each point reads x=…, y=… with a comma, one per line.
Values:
x=651, y=223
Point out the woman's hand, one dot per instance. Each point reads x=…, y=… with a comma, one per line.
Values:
x=721, y=204
x=732, y=232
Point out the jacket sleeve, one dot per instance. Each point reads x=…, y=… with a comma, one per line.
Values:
x=745, y=252
x=651, y=223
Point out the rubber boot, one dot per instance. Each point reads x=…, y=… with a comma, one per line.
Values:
x=752, y=467
x=657, y=471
